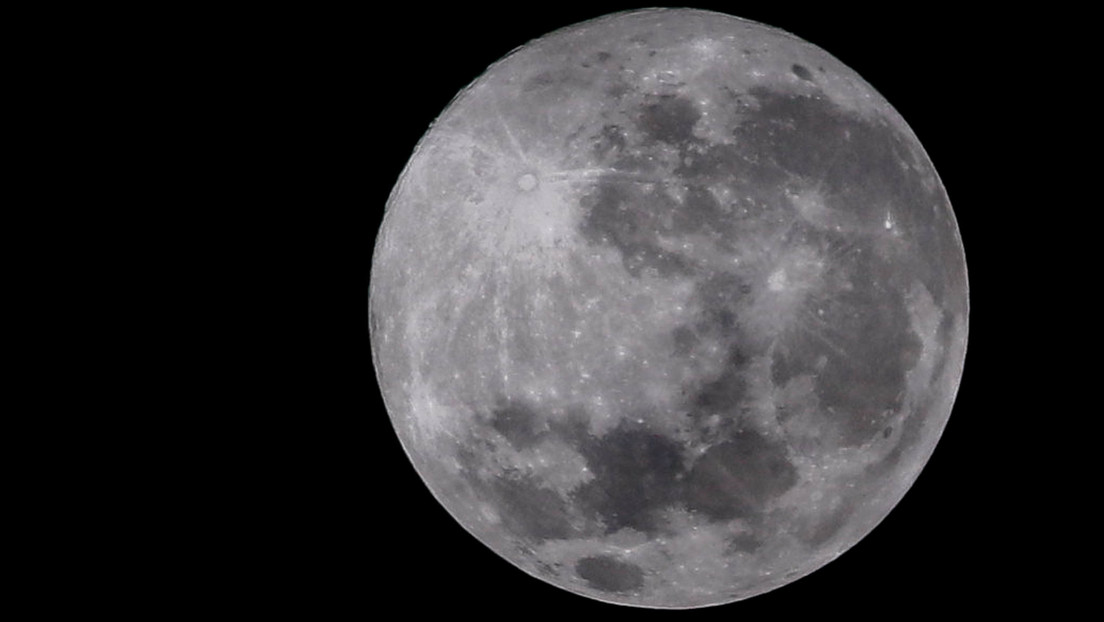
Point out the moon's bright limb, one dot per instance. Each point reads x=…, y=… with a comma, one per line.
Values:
x=669, y=308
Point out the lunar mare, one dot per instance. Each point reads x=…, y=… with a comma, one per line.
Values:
x=669, y=308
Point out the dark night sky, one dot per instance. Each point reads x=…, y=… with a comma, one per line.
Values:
x=317, y=504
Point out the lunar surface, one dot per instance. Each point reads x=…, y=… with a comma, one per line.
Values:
x=669, y=308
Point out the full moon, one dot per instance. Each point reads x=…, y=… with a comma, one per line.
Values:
x=669, y=308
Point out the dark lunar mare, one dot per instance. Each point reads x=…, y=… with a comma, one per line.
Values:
x=609, y=574
x=862, y=168
x=637, y=475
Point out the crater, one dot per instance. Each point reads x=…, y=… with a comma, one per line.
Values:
x=801, y=72
x=527, y=182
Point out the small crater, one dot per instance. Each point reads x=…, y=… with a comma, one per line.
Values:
x=803, y=73
x=886, y=432
x=527, y=182
x=609, y=574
